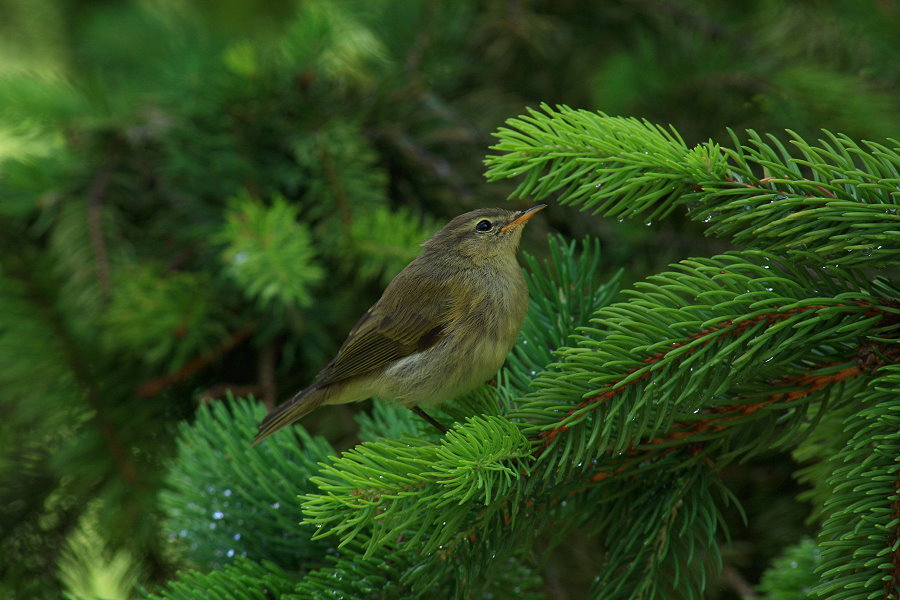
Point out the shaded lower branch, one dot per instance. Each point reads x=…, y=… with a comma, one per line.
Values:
x=83, y=374
x=545, y=438
x=717, y=419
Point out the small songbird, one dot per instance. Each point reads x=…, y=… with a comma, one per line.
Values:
x=443, y=326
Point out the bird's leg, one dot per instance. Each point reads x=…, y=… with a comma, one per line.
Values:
x=428, y=418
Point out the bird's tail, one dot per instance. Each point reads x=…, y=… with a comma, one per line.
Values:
x=291, y=411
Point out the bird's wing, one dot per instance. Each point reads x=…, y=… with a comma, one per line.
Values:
x=394, y=327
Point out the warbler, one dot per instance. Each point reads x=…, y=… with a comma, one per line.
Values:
x=443, y=325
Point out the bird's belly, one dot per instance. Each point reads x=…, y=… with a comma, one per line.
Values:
x=443, y=372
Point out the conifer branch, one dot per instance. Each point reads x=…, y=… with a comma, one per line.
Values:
x=220, y=478
x=688, y=351
x=805, y=384
x=242, y=580
x=859, y=538
x=84, y=377
x=833, y=203
x=713, y=422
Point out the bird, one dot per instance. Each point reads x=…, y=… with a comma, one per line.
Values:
x=443, y=325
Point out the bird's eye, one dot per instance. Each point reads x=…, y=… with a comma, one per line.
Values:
x=484, y=225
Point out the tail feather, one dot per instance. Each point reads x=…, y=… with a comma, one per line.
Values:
x=303, y=403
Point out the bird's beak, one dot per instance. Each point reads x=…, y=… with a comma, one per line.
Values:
x=523, y=217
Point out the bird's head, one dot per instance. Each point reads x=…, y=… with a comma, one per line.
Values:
x=482, y=235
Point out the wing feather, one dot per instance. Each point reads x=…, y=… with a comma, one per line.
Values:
x=390, y=331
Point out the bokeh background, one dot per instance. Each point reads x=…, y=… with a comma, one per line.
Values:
x=201, y=196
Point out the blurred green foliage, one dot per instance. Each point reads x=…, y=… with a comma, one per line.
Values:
x=198, y=195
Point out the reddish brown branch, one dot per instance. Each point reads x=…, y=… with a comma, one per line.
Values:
x=218, y=391
x=156, y=385
x=724, y=416
x=720, y=418
x=707, y=335
x=766, y=180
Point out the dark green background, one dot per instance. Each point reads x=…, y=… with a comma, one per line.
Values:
x=130, y=132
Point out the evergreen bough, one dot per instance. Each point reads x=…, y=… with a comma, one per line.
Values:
x=615, y=417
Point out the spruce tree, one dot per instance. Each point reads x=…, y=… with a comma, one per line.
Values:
x=615, y=414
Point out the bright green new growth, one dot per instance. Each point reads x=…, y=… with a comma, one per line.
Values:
x=834, y=202
x=617, y=418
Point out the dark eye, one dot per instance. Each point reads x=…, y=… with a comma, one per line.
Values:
x=484, y=225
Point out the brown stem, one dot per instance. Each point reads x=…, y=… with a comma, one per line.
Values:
x=217, y=391
x=737, y=582
x=156, y=385
x=267, y=375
